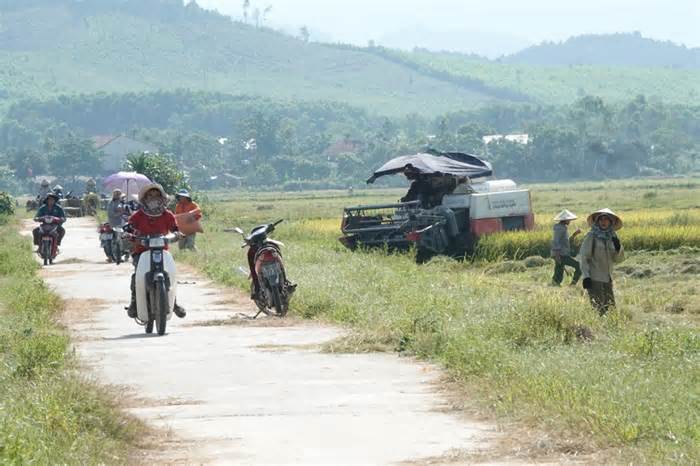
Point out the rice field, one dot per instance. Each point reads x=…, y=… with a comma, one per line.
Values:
x=625, y=385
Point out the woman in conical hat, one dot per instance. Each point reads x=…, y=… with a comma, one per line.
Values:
x=561, y=248
x=600, y=251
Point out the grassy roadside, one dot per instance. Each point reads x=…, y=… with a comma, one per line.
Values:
x=49, y=414
x=626, y=384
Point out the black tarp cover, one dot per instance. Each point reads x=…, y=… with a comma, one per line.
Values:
x=437, y=163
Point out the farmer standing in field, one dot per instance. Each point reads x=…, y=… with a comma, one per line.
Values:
x=185, y=205
x=601, y=249
x=561, y=248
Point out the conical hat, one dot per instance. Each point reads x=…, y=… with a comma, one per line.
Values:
x=565, y=215
x=148, y=187
x=616, y=221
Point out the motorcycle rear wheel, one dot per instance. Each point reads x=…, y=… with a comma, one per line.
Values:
x=117, y=252
x=108, y=250
x=46, y=252
x=161, y=307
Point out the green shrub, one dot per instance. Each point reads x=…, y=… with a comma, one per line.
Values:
x=7, y=204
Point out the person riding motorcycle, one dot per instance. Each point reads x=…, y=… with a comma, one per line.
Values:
x=50, y=208
x=134, y=203
x=153, y=218
x=115, y=209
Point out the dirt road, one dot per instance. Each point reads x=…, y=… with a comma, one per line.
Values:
x=244, y=394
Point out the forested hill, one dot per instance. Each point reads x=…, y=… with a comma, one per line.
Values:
x=50, y=47
x=609, y=50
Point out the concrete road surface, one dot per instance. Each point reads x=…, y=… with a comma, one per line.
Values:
x=251, y=393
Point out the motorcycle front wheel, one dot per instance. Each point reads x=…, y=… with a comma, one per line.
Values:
x=151, y=321
x=161, y=307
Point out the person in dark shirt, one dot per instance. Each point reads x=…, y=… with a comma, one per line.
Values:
x=420, y=188
x=50, y=208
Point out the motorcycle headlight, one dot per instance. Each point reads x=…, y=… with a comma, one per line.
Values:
x=156, y=243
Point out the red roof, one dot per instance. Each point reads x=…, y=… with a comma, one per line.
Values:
x=342, y=147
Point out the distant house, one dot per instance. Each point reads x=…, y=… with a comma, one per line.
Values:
x=116, y=148
x=523, y=139
x=344, y=146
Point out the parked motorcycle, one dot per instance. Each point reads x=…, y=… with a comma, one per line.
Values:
x=156, y=283
x=111, y=241
x=48, y=247
x=266, y=264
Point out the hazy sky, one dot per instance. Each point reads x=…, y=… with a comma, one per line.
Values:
x=509, y=22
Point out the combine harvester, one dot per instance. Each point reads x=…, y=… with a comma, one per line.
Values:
x=452, y=202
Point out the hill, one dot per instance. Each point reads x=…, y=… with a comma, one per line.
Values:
x=55, y=47
x=146, y=45
x=562, y=84
x=609, y=50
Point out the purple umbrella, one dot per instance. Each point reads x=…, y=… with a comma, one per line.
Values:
x=129, y=182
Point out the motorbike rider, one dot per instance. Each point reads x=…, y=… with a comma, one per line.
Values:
x=115, y=215
x=115, y=209
x=134, y=203
x=50, y=208
x=153, y=218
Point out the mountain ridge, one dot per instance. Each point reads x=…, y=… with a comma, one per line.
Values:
x=619, y=49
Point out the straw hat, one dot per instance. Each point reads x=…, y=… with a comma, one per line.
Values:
x=616, y=221
x=565, y=215
x=148, y=187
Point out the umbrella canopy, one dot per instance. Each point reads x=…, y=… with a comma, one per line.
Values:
x=436, y=163
x=129, y=182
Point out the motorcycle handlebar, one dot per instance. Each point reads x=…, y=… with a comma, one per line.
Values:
x=50, y=218
x=169, y=237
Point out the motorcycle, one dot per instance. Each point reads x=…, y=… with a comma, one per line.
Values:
x=111, y=242
x=265, y=260
x=156, y=283
x=48, y=247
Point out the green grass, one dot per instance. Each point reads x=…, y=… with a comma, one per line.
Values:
x=49, y=414
x=627, y=383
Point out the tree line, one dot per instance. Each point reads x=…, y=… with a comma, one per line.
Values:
x=221, y=140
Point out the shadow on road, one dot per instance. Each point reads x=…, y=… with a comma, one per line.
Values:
x=133, y=336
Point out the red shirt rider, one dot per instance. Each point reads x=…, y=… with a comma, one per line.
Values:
x=146, y=225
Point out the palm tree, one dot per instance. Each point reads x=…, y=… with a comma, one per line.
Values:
x=137, y=162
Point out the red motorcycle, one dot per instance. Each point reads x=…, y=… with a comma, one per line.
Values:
x=270, y=288
x=48, y=229
x=111, y=242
